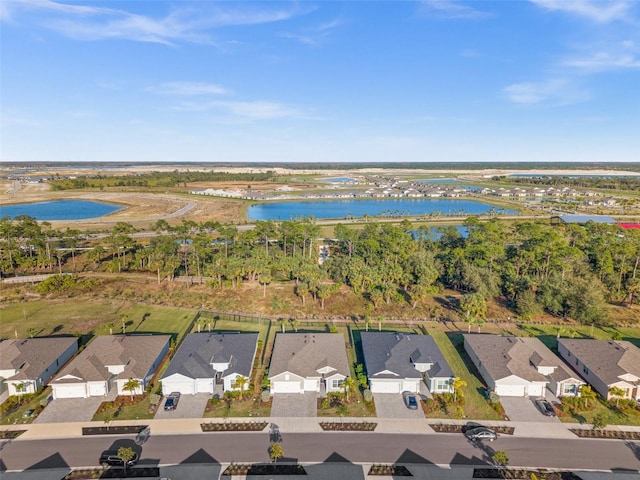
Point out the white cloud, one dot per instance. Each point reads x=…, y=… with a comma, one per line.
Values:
x=597, y=11
x=188, y=89
x=91, y=23
x=555, y=92
x=257, y=110
x=450, y=9
x=315, y=36
x=603, y=61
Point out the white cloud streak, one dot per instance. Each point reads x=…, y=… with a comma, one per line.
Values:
x=188, y=89
x=604, y=61
x=555, y=92
x=257, y=110
x=450, y=9
x=596, y=11
x=91, y=23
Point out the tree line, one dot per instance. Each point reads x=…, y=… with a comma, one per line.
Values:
x=156, y=179
x=567, y=271
x=619, y=183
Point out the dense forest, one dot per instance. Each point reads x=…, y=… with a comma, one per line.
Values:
x=156, y=179
x=567, y=271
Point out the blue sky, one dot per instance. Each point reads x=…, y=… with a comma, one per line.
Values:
x=323, y=81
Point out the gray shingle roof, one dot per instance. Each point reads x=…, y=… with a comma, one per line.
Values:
x=32, y=355
x=502, y=356
x=199, y=350
x=136, y=352
x=607, y=359
x=305, y=353
x=397, y=352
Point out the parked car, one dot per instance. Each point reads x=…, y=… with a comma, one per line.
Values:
x=110, y=458
x=546, y=408
x=411, y=401
x=172, y=401
x=481, y=433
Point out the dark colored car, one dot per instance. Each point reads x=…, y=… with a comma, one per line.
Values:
x=546, y=408
x=110, y=458
x=481, y=433
x=172, y=401
x=411, y=401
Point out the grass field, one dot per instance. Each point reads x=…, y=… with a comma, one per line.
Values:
x=91, y=317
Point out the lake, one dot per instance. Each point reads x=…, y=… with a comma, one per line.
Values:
x=60, y=210
x=371, y=208
x=339, y=179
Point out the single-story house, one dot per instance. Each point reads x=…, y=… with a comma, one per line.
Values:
x=308, y=362
x=205, y=360
x=28, y=364
x=111, y=359
x=604, y=364
x=398, y=362
x=520, y=366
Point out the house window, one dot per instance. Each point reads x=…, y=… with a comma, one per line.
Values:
x=585, y=370
x=568, y=354
x=570, y=389
x=336, y=383
x=441, y=384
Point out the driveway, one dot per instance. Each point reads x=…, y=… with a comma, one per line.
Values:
x=391, y=405
x=64, y=410
x=521, y=409
x=189, y=406
x=295, y=405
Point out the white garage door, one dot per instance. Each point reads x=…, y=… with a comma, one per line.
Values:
x=204, y=385
x=311, y=386
x=410, y=386
x=510, y=390
x=535, y=390
x=285, y=387
x=185, y=388
x=385, y=387
x=97, y=389
x=69, y=391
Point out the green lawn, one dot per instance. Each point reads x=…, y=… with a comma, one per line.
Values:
x=450, y=343
x=17, y=415
x=90, y=317
x=250, y=406
x=611, y=415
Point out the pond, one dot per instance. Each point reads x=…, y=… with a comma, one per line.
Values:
x=60, y=210
x=371, y=208
x=339, y=179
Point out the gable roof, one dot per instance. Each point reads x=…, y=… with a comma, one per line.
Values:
x=607, y=359
x=397, y=353
x=503, y=356
x=135, y=352
x=199, y=350
x=305, y=353
x=32, y=356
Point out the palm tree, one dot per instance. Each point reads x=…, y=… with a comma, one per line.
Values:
x=587, y=394
x=458, y=384
x=241, y=384
x=349, y=386
x=618, y=393
x=131, y=386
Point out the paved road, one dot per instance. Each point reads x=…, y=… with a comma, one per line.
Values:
x=437, y=449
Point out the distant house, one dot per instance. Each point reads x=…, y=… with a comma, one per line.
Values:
x=207, y=360
x=109, y=360
x=28, y=364
x=604, y=364
x=308, y=362
x=398, y=362
x=520, y=366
